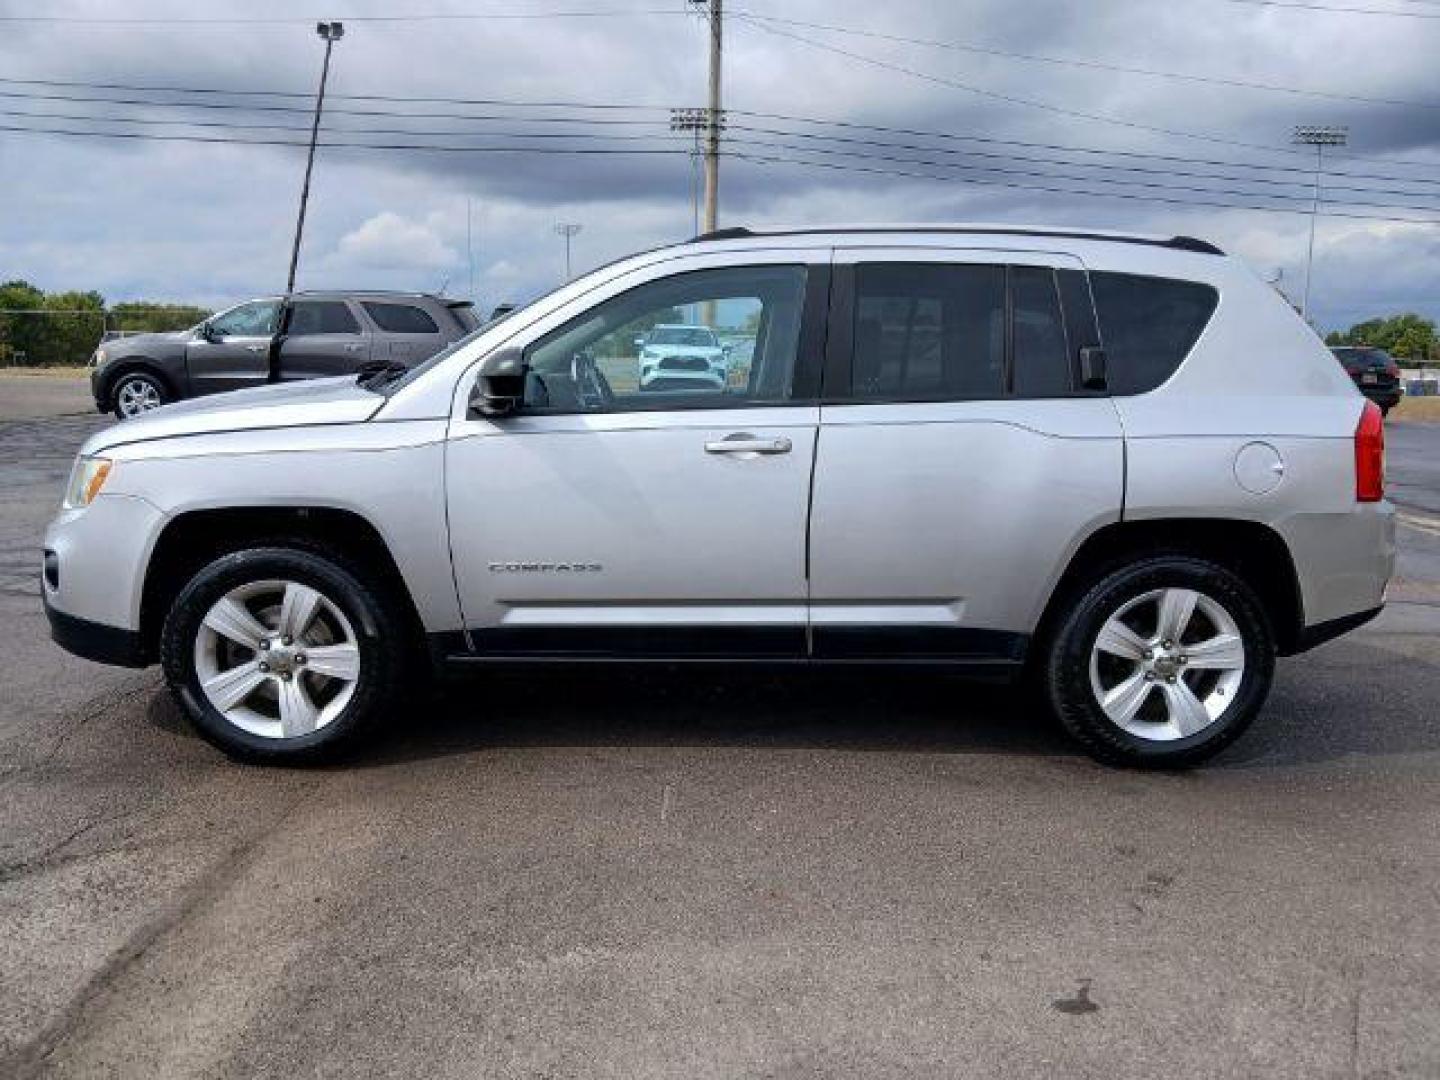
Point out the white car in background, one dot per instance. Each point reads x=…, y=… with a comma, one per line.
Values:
x=679, y=356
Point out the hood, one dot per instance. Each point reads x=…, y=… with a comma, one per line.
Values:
x=164, y=337
x=683, y=350
x=294, y=404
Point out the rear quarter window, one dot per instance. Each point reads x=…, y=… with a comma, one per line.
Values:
x=1148, y=326
x=401, y=318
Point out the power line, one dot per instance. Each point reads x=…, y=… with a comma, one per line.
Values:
x=510, y=103
x=184, y=22
x=1052, y=175
x=1299, y=182
x=955, y=84
x=609, y=107
x=152, y=136
x=1070, y=148
x=1095, y=65
x=226, y=126
x=846, y=141
x=772, y=159
x=1305, y=6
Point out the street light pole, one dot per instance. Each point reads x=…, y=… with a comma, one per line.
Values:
x=1318, y=136
x=330, y=32
x=567, y=229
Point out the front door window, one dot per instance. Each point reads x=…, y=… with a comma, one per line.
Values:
x=723, y=338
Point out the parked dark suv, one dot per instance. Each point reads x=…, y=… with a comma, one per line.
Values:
x=1375, y=373
x=307, y=336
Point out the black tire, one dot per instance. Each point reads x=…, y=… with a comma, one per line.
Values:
x=1067, y=676
x=381, y=630
x=144, y=380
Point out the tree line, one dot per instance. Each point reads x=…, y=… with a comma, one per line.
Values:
x=45, y=329
x=1408, y=338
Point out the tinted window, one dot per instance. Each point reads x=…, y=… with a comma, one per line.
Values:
x=928, y=331
x=1357, y=358
x=400, y=318
x=1041, y=361
x=743, y=324
x=1148, y=324
x=681, y=335
x=321, y=317
x=256, y=319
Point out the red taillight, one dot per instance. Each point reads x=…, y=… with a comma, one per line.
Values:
x=1370, y=455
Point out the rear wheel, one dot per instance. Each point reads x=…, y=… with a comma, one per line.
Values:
x=137, y=392
x=1162, y=663
x=282, y=655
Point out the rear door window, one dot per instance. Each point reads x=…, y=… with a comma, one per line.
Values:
x=928, y=331
x=400, y=318
x=1149, y=325
x=1041, y=361
x=309, y=317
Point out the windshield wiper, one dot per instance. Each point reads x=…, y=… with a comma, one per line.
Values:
x=377, y=373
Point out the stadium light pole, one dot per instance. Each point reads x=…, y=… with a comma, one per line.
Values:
x=567, y=229
x=1318, y=136
x=329, y=32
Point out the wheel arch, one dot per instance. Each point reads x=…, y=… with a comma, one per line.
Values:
x=1251, y=549
x=195, y=538
x=118, y=368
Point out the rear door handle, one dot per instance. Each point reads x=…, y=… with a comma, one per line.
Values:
x=744, y=443
x=258, y=348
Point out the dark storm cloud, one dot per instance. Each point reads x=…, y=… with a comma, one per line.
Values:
x=200, y=221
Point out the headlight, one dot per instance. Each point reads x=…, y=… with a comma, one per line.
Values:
x=100, y=357
x=86, y=479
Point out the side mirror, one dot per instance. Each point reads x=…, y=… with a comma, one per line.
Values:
x=500, y=387
x=727, y=348
x=207, y=332
x=1092, y=368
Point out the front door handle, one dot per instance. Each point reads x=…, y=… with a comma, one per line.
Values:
x=258, y=348
x=744, y=443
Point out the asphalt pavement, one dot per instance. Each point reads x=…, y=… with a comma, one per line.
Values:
x=720, y=876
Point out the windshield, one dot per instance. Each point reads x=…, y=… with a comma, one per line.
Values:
x=680, y=335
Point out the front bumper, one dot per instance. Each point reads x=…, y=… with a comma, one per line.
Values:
x=96, y=641
x=94, y=573
x=100, y=388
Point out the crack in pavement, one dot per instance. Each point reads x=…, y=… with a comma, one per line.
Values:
x=31, y=1056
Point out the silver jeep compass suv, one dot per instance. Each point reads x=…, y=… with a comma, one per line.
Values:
x=1120, y=464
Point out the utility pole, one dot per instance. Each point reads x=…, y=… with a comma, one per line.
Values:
x=694, y=121
x=567, y=229
x=712, y=130
x=330, y=32
x=713, y=10
x=1318, y=136
x=469, y=251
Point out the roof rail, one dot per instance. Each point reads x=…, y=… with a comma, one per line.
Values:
x=1178, y=243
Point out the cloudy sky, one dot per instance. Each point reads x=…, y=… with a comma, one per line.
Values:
x=913, y=110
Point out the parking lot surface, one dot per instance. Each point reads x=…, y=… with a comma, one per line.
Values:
x=618, y=875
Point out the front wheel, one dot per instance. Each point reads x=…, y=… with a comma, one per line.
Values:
x=1162, y=663
x=137, y=392
x=281, y=655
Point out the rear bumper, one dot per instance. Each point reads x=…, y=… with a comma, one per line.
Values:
x=1320, y=633
x=96, y=641
x=1343, y=562
x=1387, y=397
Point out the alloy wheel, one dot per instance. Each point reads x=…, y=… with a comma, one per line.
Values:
x=277, y=659
x=136, y=396
x=1167, y=664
